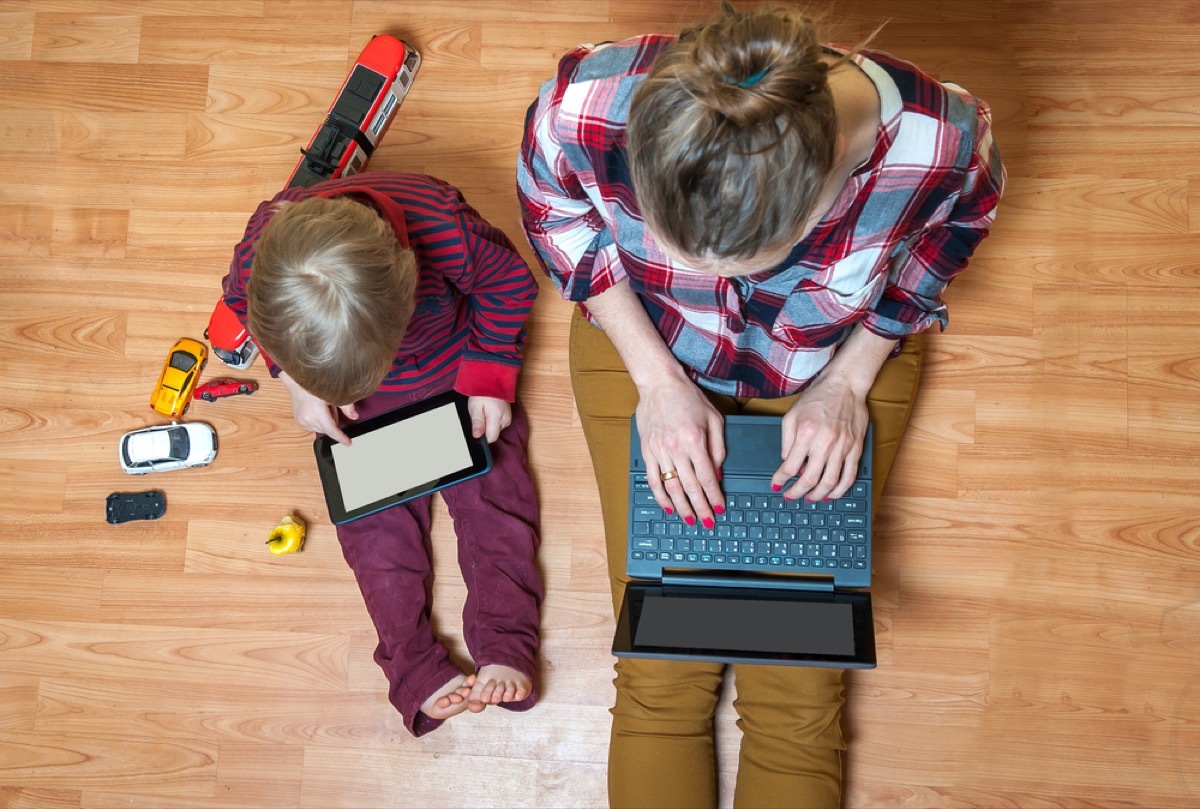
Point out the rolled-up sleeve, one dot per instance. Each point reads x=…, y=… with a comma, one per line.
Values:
x=567, y=232
x=924, y=265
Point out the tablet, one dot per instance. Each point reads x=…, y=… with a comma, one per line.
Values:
x=400, y=455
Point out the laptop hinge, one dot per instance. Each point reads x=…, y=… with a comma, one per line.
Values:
x=749, y=581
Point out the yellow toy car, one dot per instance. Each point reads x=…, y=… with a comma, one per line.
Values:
x=173, y=393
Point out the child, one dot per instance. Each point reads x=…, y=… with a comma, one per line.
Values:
x=367, y=293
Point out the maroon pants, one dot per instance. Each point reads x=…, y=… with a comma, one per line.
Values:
x=496, y=521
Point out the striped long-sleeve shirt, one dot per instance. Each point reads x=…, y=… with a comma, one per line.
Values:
x=904, y=225
x=474, y=291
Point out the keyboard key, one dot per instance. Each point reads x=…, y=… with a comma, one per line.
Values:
x=641, y=528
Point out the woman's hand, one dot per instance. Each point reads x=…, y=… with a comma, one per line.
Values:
x=316, y=415
x=488, y=416
x=823, y=431
x=683, y=436
x=683, y=439
x=822, y=442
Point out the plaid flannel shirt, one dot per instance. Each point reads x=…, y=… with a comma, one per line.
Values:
x=905, y=224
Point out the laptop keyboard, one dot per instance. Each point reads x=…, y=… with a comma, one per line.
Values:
x=758, y=531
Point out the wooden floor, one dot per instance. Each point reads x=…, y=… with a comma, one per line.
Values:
x=1037, y=581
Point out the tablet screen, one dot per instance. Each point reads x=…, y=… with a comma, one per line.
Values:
x=400, y=456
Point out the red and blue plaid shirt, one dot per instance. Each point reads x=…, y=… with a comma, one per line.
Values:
x=473, y=293
x=905, y=224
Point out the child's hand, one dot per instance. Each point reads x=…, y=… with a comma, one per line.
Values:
x=488, y=416
x=314, y=414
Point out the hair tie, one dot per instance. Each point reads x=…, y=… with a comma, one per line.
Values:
x=750, y=81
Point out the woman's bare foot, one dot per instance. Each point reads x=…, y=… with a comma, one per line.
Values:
x=450, y=699
x=495, y=684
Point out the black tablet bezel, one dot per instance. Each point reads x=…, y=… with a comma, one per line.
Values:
x=861, y=617
x=481, y=457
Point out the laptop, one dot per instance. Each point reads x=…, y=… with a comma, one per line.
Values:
x=773, y=582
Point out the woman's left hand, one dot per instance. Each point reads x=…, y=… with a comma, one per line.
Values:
x=488, y=416
x=822, y=442
x=823, y=431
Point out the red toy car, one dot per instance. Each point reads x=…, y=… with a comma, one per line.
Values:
x=224, y=386
x=361, y=112
x=229, y=339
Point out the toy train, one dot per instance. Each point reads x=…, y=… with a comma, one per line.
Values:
x=361, y=113
x=356, y=121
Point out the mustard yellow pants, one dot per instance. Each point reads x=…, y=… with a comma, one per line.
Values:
x=662, y=749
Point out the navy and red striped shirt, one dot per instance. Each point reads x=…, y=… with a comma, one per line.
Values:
x=474, y=291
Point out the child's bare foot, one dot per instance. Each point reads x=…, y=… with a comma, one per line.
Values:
x=495, y=684
x=450, y=699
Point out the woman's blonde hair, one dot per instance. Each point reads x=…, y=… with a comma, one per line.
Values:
x=732, y=134
x=330, y=295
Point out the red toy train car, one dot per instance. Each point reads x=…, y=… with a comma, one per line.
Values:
x=361, y=113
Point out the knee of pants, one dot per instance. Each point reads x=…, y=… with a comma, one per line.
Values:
x=667, y=695
x=796, y=705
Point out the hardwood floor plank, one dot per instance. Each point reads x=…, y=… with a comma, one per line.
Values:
x=86, y=38
x=184, y=656
x=90, y=762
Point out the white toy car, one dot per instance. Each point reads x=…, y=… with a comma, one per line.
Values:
x=171, y=446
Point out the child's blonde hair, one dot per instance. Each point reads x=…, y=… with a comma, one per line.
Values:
x=330, y=295
x=732, y=134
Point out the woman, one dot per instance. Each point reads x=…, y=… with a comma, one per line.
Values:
x=756, y=223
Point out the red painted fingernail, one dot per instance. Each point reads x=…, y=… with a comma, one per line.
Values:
x=719, y=509
x=669, y=511
x=690, y=520
x=720, y=474
x=708, y=522
x=775, y=487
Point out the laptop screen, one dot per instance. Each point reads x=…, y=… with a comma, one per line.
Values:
x=745, y=625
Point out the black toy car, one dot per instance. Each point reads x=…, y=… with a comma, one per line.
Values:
x=135, y=506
